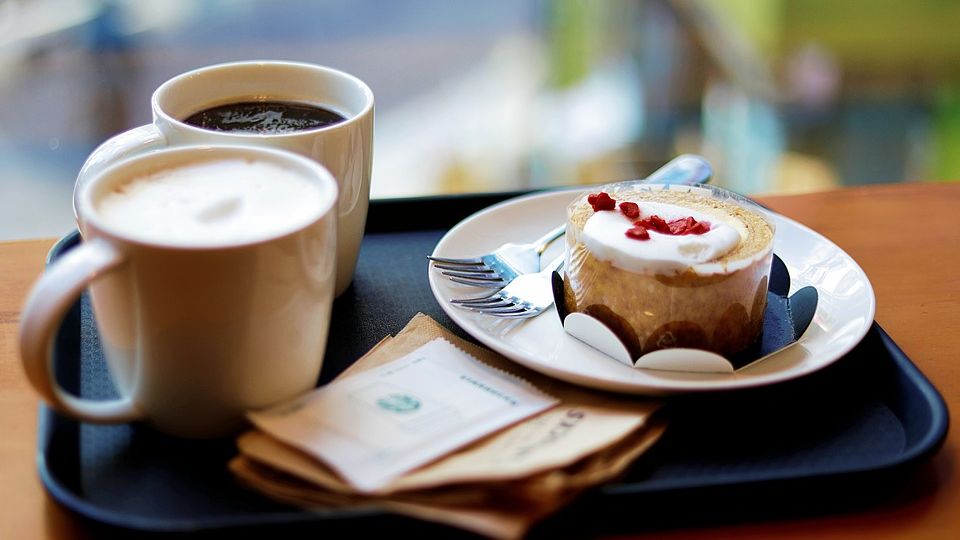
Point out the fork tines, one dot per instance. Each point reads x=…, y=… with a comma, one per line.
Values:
x=469, y=272
x=461, y=262
x=496, y=304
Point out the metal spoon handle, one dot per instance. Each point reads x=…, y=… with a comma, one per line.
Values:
x=685, y=169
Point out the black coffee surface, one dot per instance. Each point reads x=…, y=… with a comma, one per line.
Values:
x=264, y=117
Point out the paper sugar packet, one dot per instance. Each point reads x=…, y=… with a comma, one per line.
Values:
x=374, y=426
x=497, y=486
x=502, y=509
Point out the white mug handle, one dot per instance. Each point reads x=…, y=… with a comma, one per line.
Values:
x=43, y=313
x=129, y=143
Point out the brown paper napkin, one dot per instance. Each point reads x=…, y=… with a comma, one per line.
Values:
x=498, y=486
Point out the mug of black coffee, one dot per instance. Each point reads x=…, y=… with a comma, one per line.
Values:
x=315, y=111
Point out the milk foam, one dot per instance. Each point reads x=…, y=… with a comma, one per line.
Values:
x=222, y=202
x=604, y=235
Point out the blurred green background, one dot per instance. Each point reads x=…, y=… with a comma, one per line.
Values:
x=781, y=95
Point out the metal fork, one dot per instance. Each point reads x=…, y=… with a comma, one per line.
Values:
x=526, y=296
x=503, y=265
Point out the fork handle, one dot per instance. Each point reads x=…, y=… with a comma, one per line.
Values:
x=540, y=244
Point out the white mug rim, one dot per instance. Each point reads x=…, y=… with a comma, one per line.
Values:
x=318, y=175
x=166, y=87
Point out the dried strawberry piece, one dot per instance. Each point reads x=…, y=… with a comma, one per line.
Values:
x=638, y=232
x=676, y=227
x=700, y=228
x=630, y=209
x=681, y=225
x=688, y=225
x=601, y=201
x=659, y=224
x=655, y=223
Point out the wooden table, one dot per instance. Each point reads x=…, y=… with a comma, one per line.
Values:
x=906, y=237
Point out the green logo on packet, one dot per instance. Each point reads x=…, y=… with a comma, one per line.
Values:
x=400, y=403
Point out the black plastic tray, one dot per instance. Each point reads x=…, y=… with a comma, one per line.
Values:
x=836, y=440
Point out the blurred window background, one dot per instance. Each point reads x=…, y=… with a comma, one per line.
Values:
x=781, y=95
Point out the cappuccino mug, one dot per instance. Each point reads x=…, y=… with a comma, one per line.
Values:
x=211, y=271
x=344, y=147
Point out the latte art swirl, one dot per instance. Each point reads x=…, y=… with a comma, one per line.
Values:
x=222, y=202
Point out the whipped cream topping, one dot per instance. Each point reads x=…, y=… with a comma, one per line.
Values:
x=604, y=236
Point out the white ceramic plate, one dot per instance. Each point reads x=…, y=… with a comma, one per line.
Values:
x=844, y=313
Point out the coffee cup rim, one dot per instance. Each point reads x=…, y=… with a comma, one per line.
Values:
x=309, y=168
x=161, y=90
